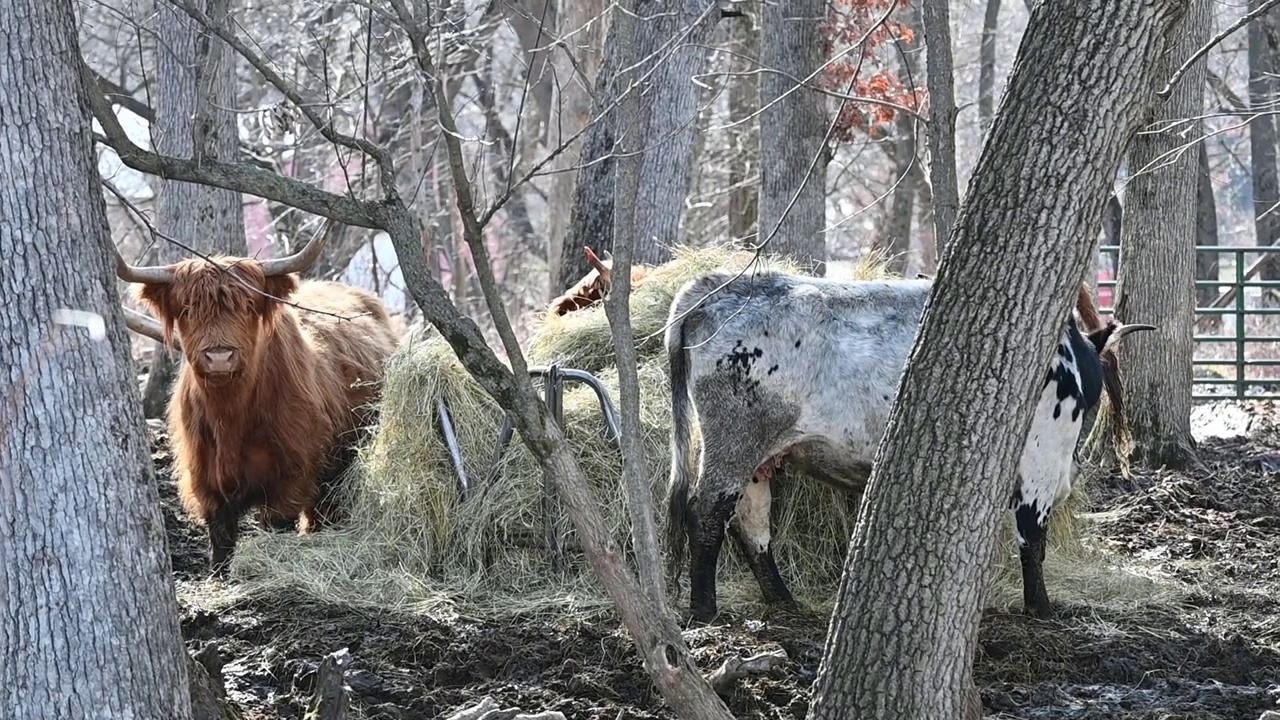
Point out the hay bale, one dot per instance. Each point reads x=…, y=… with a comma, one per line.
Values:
x=582, y=339
x=413, y=543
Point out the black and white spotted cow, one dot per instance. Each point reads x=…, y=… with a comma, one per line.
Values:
x=778, y=364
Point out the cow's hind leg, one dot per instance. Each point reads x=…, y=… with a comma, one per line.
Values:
x=751, y=529
x=273, y=521
x=1033, y=527
x=709, y=510
x=722, y=485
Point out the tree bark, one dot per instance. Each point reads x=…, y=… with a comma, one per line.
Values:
x=591, y=214
x=942, y=119
x=195, y=118
x=987, y=65
x=676, y=36
x=793, y=133
x=744, y=134
x=1262, y=137
x=1206, y=235
x=576, y=64
x=671, y=44
x=896, y=235
x=903, y=630
x=1156, y=278
x=88, y=619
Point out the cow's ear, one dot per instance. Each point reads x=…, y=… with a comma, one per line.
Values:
x=278, y=287
x=158, y=298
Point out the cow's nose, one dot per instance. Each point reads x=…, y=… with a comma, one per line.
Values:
x=219, y=359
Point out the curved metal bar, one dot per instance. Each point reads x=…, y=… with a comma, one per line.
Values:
x=451, y=441
x=554, y=377
x=613, y=429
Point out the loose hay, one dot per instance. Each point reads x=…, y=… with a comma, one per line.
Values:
x=413, y=544
x=583, y=340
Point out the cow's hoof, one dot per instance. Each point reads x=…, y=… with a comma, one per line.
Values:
x=703, y=613
x=782, y=609
x=1043, y=610
x=220, y=570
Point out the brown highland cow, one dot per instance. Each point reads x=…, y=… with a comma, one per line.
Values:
x=271, y=399
x=593, y=286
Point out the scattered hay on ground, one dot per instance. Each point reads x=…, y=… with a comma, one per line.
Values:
x=413, y=543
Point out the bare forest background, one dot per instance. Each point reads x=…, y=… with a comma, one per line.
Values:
x=521, y=77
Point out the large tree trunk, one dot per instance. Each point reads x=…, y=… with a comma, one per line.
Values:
x=895, y=236
x=591, y=212
x=577, y=66
x=1156, y=280
x=1262, y=137
x=793, y=130
x=88, y=620
x=195, y=117
x=677, y=35
x=932, y=510
x=669, y=108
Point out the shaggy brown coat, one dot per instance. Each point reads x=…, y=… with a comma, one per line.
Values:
x=276, y=429
x=593, y=286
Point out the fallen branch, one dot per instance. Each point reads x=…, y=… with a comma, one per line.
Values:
x=487, y=709
x=734, y=669
x=332, y=694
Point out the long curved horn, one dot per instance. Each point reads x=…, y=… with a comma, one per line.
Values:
x=1121, y=330
x=1126, y=329
x=595, y=261
x=302, y=259
x=145, y=274
x=146, y=326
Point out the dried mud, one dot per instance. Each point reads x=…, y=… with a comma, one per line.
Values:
x=1215, y=530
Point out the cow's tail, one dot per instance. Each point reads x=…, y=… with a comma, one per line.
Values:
x=681, y=435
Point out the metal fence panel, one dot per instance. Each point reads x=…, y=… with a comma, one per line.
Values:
x=1244, y=370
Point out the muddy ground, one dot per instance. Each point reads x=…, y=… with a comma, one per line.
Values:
x=1216, y=530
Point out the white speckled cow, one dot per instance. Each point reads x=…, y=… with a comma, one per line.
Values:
x=778, y=364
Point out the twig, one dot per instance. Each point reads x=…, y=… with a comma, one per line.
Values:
x=378, y=153
x=736, y=668
x=1164, y=93
x=473, y=231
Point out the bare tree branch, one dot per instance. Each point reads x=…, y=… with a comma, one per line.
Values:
x=240, y=177
x=378, y=153
x=473, y=231
x=1204, y=50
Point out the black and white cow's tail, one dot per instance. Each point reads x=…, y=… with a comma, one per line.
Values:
x=681, y=434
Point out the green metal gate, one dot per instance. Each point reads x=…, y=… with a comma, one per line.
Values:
x=1232, y=359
